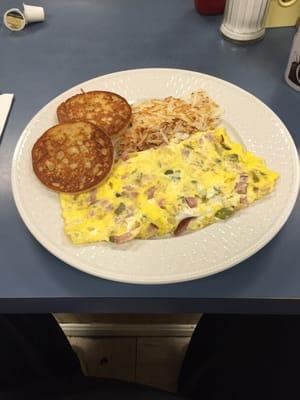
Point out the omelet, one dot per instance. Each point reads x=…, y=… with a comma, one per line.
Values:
x=175, y=188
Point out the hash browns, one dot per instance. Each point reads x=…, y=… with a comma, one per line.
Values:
x=158, y=121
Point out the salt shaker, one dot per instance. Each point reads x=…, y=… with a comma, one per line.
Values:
x=244, y=20
x=292, y=72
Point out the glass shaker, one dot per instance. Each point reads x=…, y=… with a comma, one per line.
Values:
x=244, y=20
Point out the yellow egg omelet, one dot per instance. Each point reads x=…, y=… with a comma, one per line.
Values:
x=177, y=187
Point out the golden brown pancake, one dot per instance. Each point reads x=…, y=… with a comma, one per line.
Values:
x=109, y=111
x=72, y=157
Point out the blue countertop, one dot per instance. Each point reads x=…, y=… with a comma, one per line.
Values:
x=82, y=39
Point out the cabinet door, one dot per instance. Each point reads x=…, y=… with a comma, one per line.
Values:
x=107, y=357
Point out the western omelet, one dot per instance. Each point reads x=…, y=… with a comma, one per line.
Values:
x=175, y=188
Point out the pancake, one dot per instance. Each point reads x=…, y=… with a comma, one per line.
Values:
x=72, y=157
x=109, y=111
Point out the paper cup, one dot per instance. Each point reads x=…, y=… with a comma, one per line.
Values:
x=33, y=13
x=14, y=19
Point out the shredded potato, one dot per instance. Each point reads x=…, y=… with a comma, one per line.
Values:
x=159, y=121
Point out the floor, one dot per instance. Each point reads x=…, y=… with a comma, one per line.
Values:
x=147, y=349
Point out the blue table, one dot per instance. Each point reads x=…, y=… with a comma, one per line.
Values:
x=82, y=39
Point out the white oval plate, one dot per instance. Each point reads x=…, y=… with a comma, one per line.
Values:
x=195, y=255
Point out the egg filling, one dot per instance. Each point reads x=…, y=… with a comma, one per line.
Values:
x=175, y=188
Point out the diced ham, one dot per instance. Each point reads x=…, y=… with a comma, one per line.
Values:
x=129, y=190
x=209, y=137
x=93, y=196
x=242, y=184
x=124, y=156
x=128, y=187
x=152, y=228
x=244, y=201
x=133, y=195
x=150, y=192
x=182, y=226
x=162, y=203
x=191, y=201
x=123, y=238
x=106, y=205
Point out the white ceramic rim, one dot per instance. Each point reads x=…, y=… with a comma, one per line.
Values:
x=73, y=261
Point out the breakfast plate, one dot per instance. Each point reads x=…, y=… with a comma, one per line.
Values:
x=171, y=259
